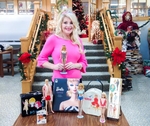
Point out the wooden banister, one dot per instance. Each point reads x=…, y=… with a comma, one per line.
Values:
x=28, y=43
x=112, y=41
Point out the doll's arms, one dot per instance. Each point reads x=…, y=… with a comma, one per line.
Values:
x=43, y=91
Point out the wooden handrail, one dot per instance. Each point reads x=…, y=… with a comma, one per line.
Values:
x=112, y=41
x=106, y=32
x=28, y=43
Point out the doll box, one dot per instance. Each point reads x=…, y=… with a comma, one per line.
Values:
x=31, y=103
x=41, y=117
x=65, y=95
x=114, y=98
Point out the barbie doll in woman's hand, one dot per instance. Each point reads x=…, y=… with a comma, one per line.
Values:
x=63, y=58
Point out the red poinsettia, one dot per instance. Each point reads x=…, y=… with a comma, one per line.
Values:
x=118, y=56
x=46, y=34
x=25, y=57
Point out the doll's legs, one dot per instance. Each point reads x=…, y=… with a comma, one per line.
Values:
x=50, y=105
x=80, y=109
x=26, y=111
x=46, y=103
x=102, y=118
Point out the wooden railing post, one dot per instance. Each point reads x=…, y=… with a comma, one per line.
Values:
x=24, y=44
x=117, y=43
x=36, y=5
x=106, y=4
x=70, y=4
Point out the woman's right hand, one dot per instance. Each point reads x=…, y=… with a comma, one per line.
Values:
x=58, y=66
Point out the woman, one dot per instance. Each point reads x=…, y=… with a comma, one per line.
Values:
x=71, y=105
x=66, y=34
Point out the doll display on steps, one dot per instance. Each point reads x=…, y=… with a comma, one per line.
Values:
x=80, y=91
x=77, y=8
x=103, y=106
x=47, y=95
x=97, y=36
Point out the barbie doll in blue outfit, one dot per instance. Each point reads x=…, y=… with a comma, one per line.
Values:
x=80, y=91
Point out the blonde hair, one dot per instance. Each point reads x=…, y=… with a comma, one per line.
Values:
x=74, y=35
x=103, y=93
x=81, y=85
x=69, y=93
x=46, y=80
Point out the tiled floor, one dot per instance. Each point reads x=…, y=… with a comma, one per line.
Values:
x=134, y=103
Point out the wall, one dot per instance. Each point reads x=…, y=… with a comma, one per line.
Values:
x=13, y=27
x=144, y=48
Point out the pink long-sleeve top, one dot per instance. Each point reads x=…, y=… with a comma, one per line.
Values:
x=53, y=46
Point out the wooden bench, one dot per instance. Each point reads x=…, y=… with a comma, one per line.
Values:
x=70, y=119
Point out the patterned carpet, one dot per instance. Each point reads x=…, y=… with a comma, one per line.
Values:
x=134, y=103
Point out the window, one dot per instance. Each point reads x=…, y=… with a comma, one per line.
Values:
x=26, y=6
x=118, y=6
x=23, y=7
x=6, y=7
x=93, y=9
x=140, y=8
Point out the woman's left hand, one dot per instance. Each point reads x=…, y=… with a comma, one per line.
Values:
x=70, y=65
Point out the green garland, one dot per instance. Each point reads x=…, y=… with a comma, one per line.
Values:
x=99, y=18
x=113, y=17
x=117, y=31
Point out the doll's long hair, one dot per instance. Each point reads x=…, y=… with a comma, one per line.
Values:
x=103, y=93
x=75, y=34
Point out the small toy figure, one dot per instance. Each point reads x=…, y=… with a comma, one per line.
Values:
x=97, y=36
x=80, y=98
x=103, y=106
x=47, y=95
x=26, y=104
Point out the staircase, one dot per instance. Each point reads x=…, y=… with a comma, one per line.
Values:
x=97, y=69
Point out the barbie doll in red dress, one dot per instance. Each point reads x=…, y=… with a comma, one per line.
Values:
x=47, y=95
x=103, y=106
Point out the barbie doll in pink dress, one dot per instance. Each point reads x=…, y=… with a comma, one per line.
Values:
x=103, y=106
